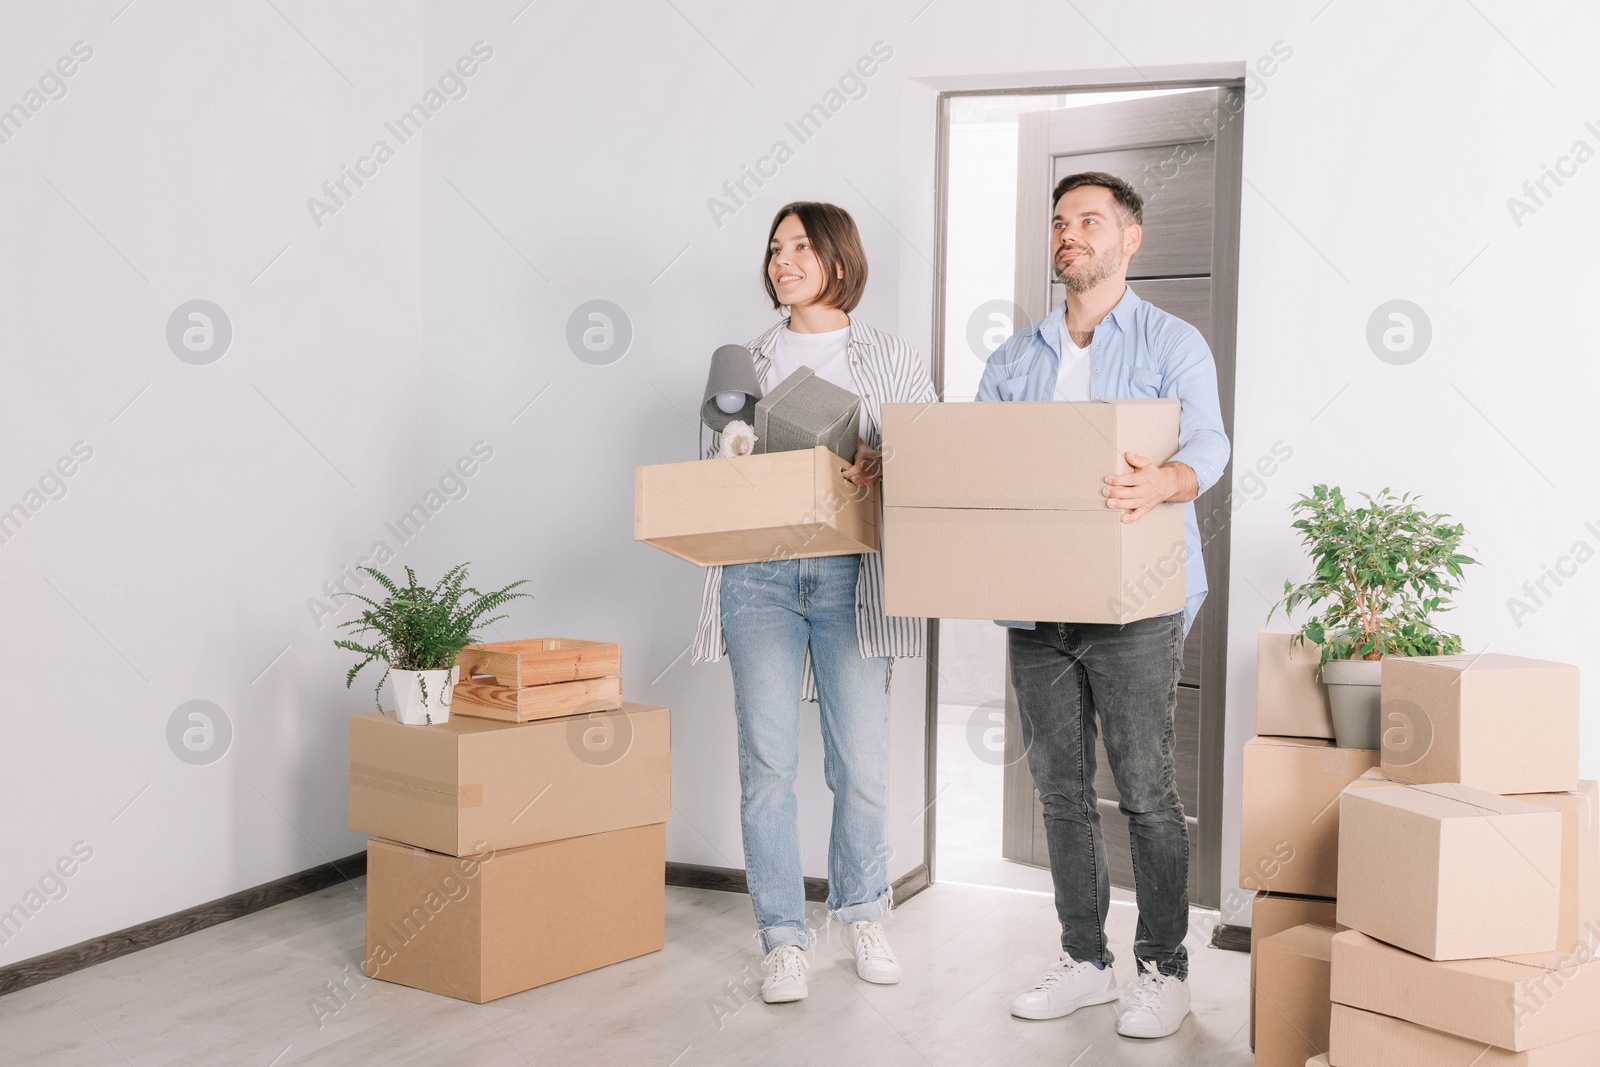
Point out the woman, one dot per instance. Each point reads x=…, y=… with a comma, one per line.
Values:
x=814, y=629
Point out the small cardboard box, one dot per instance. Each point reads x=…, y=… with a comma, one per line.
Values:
x=1290, y=701
x=468, y=784
x=1503, y=724
x=1273, y=913
x=749, y=509
x=996, y=511
x=1449, y=872
x=1360, y=1038
x=538, y=678
x=1580, y=863
x=1511, y=1002
x=481, y=927
x=1289, y=831
x=1292, y=1006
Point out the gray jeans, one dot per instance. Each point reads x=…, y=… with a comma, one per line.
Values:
x=1073, y=679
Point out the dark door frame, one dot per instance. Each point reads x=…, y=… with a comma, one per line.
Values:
x=1215, y=541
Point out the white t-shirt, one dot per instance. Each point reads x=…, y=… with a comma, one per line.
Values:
x=828, y=354
x=1072, y=378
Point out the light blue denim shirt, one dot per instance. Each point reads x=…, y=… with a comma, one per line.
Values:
x=1138, y=351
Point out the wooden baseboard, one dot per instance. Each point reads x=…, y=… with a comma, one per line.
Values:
x=64, y=961
x=732, y=880
x=1231, y=938
x=99, y=949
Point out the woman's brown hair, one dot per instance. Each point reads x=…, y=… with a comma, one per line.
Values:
x=837, y=243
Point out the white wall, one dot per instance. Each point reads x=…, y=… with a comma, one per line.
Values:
x=411, y=324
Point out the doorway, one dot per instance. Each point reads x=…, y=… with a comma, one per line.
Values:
x=1000, y=154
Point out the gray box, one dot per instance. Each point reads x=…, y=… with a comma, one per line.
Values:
x=805, y=411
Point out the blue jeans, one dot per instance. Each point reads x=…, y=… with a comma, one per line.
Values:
x=771, y=613
x=1071, y=678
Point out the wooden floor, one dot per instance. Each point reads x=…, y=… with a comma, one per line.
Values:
x=247, y=993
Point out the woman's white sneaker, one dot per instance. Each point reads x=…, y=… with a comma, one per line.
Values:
x=1155, y=1006
x=785, y=975
x=1069, y=985
x=875, y=960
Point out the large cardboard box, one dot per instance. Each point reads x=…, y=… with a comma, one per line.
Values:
x=1501, y=723
x=1290, y=701
x=1273, y=913
x=1366, y=1039
x=750, y=509
x=1511, y=1002
x=469, y=784
x=996, y=511
x=1580, y=863
x=480, y=927
x=1449, y=872
x=1289, y=833
x=1292, y=1005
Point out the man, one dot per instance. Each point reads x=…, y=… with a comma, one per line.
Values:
x=1105, y=342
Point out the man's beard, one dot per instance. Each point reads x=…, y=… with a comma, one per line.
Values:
x=1099, y=270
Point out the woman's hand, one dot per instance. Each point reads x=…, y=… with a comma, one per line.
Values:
x=867, y=468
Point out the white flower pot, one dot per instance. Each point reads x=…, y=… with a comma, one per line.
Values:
x=411, y=707
x=1355, y=692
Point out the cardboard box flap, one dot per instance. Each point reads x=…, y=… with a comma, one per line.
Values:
x=1444, y=801
x=1311, y=940
x=967, y=455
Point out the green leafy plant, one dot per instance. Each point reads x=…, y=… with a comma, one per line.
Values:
x=416, y=628
x=1381, y=571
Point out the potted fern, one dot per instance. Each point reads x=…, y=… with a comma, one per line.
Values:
x=1381, y=571
x=416, y=633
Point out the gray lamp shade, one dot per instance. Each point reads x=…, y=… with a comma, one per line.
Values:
x=805, y=411
x=733, y=370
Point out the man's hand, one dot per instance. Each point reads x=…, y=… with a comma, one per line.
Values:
x=1148, y=485
x=867, y=468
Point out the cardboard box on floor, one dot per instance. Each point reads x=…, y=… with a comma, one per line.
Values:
x=1448, y=871
x=468, y=784
x=1273, y=913
x=1511, y=1002
x=1579, y=916
x=478, y=928
x=1361, y=1038
x=1292, y=1005
x=1289, y=831
x=1503, y=724
x=995, y=511
x=750, y=509
x=1290, y=701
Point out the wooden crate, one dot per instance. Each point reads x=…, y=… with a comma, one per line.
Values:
x=512, y=703
x=748, y=509
x=538, y=678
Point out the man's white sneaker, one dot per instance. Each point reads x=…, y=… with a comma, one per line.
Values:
x=1069, y=985
x=1155, y=1006
x=785, y=980
x=875, y=960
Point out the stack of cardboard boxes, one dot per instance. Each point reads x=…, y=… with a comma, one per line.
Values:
x=1289, y=850
x=506, y=853
x=1468, y=876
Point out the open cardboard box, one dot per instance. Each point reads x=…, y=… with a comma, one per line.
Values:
x=750, y=509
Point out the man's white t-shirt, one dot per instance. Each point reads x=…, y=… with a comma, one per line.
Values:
x=828, y=354
x=1072, y=378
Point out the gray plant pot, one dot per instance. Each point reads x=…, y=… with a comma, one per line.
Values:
x=1355, y=692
